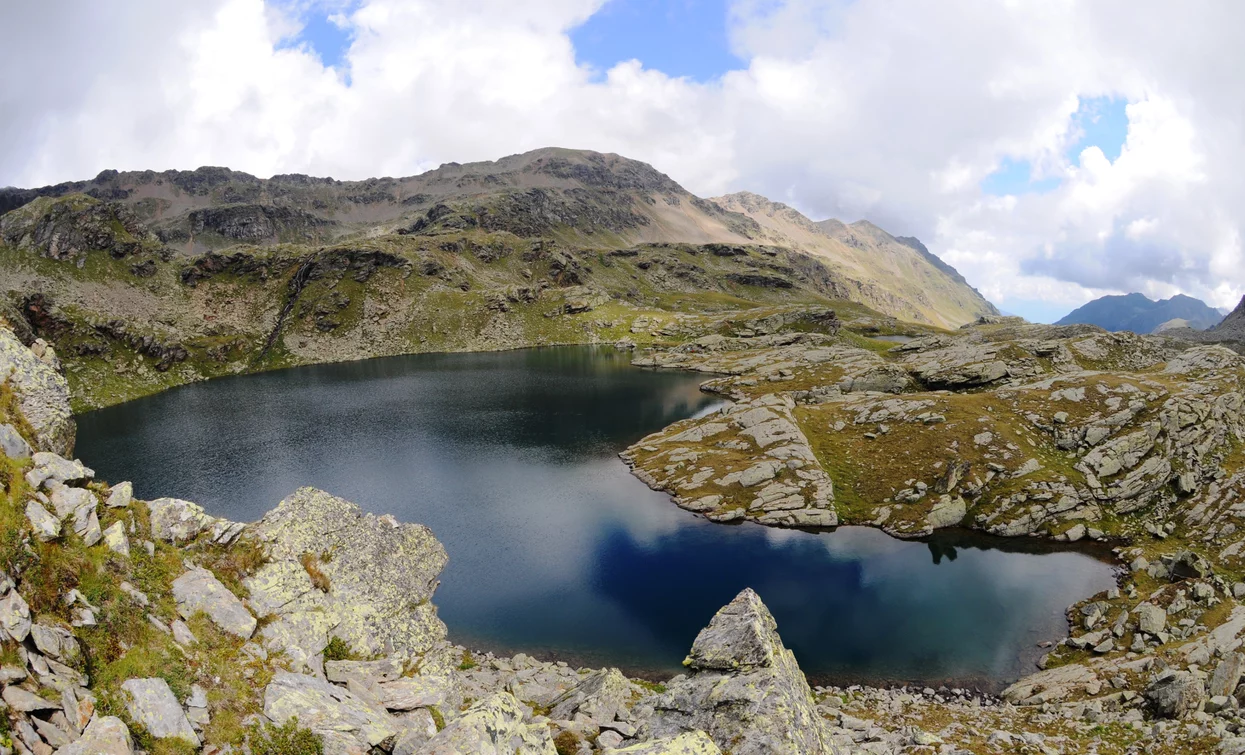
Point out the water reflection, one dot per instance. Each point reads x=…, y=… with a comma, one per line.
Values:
x=554, y=547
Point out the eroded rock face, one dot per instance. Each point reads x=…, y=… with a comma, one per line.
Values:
x=745, y=688
x=375, y=579
x=42, y=394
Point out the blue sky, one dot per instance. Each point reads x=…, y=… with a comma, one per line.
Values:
x=678, y=37
x=1099, y=121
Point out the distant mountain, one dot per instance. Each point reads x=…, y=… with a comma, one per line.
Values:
x=896, y=275
x=584, y=200
x=1140, y=314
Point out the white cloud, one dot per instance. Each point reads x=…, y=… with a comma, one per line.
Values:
x=891, y=110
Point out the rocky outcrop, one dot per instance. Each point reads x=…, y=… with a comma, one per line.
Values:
x=494, y=726
x=42, y=393
x=334, y=571
x=745, y=688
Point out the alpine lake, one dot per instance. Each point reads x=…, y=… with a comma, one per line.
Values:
x=555, y=549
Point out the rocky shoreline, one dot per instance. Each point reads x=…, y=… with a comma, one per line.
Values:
x=181, y=632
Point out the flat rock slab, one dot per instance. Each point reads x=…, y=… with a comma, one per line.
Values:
x=200, y=590
x=27, y=702
x=414, y=692
x=152, y=704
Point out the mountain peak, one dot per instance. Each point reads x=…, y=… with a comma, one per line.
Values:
x=1139, y=313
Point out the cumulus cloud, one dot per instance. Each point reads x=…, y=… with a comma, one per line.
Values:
x=894, y=111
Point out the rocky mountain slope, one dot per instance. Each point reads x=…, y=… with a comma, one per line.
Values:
x=1139, y=314
x=133, y=626
x=897, y=276
x=144, y=280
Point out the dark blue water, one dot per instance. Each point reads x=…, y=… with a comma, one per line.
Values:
x=555, y=549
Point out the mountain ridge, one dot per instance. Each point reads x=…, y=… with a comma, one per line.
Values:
x=582, y=197
x=1140, y=314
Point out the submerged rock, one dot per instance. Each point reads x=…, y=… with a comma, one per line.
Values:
x=745, y=690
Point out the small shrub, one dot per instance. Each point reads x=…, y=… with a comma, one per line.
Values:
x=468, y=662
x=567, y=742
x=437, y=718
x=318, y=578
x=338, y=650
x=287, y=739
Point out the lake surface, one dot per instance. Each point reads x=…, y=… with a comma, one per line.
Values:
x=555, y=549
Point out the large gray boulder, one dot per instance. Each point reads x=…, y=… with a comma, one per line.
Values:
x=493, y=726
x=326, y=709
x=15, y=616
x=12, y=444
x=1176, y=694
x=335, y=571
x=602, y=696
x=199, y=590
x=745, y=689
x=42, y=394
x=105, y=735
x=151, y=703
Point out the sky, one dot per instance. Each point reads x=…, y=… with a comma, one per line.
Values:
x=1051, y=150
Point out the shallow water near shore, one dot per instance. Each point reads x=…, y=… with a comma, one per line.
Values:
x=555, y=549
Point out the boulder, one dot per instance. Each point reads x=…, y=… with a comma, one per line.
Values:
x=56, y=642
x=116, y=539
x=151, y=703
x=1151, y=619
x=1176, y=694
x=176, y=521
x=200, y=590
x=105, y=735
x=1227, y=675
x=380, y=576
x=493, y=726
x=414, y=692
x=372, y=672
x=15, y=616
x=45, y=526
x=947, y=512
x=26, y=702
x=745, y=688
x=12, y=444
x=50, y=469
x=326, y=709
x=689, y=743
x=602, y=696
x=120, y=496
x=42, y=394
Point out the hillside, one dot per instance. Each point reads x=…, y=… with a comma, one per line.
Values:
x=145, y=280
x=898, y=276
x=1139, y=314
x=582, y=199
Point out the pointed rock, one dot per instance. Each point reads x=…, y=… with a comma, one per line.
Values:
x=745, y=690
